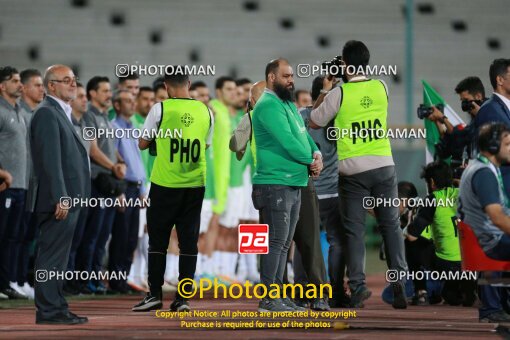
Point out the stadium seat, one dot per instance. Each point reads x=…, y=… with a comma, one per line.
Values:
x=473, y=257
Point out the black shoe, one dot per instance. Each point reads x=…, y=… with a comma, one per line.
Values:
x=59, y=319
x=469, y=299
x=148, y=303
x=101, y=289
x=121, y=287
x=359, y=295
x=399, y=296
x=180, y=305
x=319, y=304
x=496, y=317
x=340, y=301
x=81, y=319
x=70, y=289
x=13, y=295
x=302, y=303
x=84, y=288
x=420, y=299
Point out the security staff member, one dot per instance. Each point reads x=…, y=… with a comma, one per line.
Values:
x=365, y=164
x=185, y=129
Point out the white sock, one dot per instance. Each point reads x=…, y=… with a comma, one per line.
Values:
x=251, y=264
x=135, y=270
x=168, y=268
x=232, y=263
x=175, y=267
x=208, y=265
x=217, y=264
x=198, y=271
x=145, y=256
x=242, y=268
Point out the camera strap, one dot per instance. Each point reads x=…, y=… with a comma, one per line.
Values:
x=499, y=177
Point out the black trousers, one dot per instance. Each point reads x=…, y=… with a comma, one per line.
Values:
x=53, y=247
x=309, y=264
x=420, y=256
x=454, y=291
x=168, y=207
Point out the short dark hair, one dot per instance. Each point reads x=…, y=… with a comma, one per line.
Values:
x=129, y=76
x=93, y=84
x=158, y=80
x=158, y=85
x=297, y=93
x=473, y=85
x=145, y=89
x=440, y=172
x=195, y=85
x=498, y=68
x=7, y=72
x=316, y=87
x=28, y=74
x=272, y=67
x=487, y=132
x=406, y=190
x=220, y=82
x=355, y=53
x=78, y=84
x=243, y=81
x=177, y=78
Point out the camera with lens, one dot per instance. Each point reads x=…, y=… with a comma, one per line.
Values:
x=424, y=111
x=467, y=105
x=334, y=66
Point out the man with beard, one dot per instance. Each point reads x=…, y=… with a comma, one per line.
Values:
x=285, y=155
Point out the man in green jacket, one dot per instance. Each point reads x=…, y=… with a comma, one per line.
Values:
x=286, y=154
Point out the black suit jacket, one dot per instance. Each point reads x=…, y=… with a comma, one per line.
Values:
x=60, y=160
x=493, y=110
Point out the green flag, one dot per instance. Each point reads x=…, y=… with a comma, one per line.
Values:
x=431, y=97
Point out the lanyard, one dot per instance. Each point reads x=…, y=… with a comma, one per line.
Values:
x=499, y=177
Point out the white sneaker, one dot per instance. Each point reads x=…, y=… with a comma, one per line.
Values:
x=27, y=290
x=3, y=297
x=17, y=288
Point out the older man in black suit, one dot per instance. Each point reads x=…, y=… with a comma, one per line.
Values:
x=62, y=170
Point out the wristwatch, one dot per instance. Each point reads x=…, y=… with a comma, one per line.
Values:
x=324, y=91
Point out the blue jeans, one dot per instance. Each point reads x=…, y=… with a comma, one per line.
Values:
x=279, y=208
x=97, y=232
x=30, y=230
x=501, y=251
x=433, y=288
x=494, y=299
x=124, y=236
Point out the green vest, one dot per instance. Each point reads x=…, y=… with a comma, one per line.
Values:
x=364, y=107
x=147, y=159
x=444, y=228
x=252, y=143
x=180, y=162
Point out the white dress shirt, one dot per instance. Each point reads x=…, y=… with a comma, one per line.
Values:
x=66, y=107
x=504, y=99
